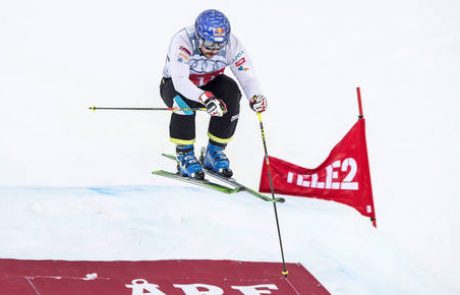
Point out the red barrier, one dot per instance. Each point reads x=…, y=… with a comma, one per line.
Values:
x=207, y=277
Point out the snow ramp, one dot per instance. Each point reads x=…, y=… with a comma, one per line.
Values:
x=101, y=237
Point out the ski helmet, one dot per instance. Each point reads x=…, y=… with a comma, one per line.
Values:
x=212, y=26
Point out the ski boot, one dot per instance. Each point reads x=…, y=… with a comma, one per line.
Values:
x=187, y=164
x=217, y=161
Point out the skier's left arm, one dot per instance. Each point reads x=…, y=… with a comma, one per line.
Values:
x=243, y=69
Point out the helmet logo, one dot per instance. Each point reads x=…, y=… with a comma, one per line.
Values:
x=219, y=32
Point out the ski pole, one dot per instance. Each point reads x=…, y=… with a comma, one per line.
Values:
x=272, y=189
x=94, y=108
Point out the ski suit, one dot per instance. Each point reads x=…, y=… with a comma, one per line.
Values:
x=188, y=73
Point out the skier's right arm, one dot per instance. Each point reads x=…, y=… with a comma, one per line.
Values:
x=179, y=69
x=178, y=58
x=180, y=77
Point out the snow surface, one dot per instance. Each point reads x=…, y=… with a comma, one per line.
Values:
x=57, y=58
x=172, y=221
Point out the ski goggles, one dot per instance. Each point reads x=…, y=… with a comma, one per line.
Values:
x=209, y=45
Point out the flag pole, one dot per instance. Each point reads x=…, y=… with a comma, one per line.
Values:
x=361, y=116
x=360, y=105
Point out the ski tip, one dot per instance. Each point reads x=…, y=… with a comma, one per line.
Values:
x=276, y=200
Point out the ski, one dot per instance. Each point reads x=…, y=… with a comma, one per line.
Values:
x=204, y=183
x=242, y=187
x=231, y=181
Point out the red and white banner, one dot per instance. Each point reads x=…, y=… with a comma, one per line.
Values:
x=343, y=177
x=165, y=277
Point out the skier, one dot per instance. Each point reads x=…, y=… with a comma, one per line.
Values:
x=194, y=77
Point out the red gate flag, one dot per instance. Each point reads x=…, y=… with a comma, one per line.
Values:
x=343, y=177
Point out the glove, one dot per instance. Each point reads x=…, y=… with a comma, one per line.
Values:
x=258, y=103
x=214, y=106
